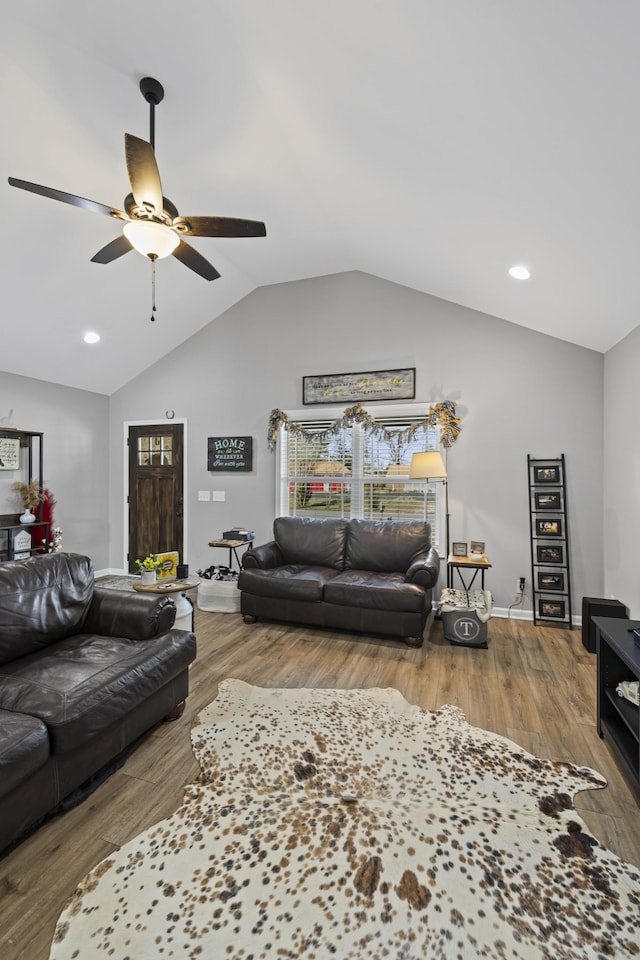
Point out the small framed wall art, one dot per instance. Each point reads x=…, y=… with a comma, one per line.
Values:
x=553, y=609
x=547, y=501
x=550, y=554
x=350, y=387
x=9, y=453
x=546, y=474
x=548, y=528
x=552, y=582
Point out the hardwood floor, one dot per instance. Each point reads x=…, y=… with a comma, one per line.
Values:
x=534, y=685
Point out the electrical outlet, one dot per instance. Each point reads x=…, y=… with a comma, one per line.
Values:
x=521, y=584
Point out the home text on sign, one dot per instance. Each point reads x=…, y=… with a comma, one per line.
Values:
x=230, y=453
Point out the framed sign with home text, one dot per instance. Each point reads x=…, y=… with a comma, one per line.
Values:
x=9, y=453
x=231, y=454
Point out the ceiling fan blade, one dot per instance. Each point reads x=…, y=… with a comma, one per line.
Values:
x=143, y=173
x=71, y=198
x=192, y=259
x=117, y=248
x=219, y=227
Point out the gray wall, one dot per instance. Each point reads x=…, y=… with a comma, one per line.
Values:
x=622, y=474
x=76, y=455
x=518, y=393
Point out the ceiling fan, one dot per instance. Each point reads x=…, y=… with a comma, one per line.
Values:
x=152, y=224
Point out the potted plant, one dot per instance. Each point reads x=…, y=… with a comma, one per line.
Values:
x=31, y=495
x=148, y=569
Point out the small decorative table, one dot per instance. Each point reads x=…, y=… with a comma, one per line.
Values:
x=185, y=616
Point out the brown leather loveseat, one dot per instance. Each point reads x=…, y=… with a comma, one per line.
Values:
x=84, y=672
x=372, y=576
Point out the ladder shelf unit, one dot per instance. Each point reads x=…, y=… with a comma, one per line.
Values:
x=549, y=530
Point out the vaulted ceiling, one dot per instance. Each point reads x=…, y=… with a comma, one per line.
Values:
x=433, y=143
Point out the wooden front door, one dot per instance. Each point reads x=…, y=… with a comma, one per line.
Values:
x=155, y=490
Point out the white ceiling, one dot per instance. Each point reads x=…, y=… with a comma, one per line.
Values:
x=430, y=142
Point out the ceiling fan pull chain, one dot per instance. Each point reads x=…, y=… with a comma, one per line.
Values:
x=153, y=288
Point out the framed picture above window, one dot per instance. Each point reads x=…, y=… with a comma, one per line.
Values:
x=350, y=387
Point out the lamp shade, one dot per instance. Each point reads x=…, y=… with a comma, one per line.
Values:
x=428, y=466
x=151, y=239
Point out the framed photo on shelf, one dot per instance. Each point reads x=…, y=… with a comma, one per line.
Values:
x=546, y=474
x=547, y=501
x=548, y=528
x=9, y=453
x=476, y=547
x=550, y=554
x=552, y=582
x=553, y=609
x=458, y=548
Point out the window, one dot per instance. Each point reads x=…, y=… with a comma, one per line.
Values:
x=154, y=451
x=326, y=469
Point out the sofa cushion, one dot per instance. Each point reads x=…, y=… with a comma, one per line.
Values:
x=42, y=600
x=317, y=543
x=293, y=582
x=24, y=747
x=378, y=591
x=83, y=684
x=385, y=545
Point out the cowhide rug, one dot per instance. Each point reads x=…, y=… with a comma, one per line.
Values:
x=349, y=824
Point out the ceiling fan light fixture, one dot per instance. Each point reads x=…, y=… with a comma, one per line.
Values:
x=151, y=239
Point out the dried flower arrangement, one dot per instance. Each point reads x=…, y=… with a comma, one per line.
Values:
x=30, y=493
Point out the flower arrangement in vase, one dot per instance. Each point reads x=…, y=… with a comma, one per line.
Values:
x=148, y=569
x=31, y=495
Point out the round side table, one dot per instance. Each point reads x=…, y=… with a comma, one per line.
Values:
x=185, y=615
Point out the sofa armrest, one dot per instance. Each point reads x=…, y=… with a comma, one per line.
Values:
x=424, y=569
x=266, y=557
x=137, y=616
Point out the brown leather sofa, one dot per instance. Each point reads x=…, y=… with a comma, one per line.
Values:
x=370, y=576
x=84, y=672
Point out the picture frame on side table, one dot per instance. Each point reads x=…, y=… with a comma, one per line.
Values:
x=476, y=548
x=547, y=501
x=551, y=582
x=548, y=528
x=553, y=609
x=458, y=548
x=546, y=474
x=550, y=554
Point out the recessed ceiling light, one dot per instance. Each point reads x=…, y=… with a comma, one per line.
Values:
x=91, y=337
x=519, y=272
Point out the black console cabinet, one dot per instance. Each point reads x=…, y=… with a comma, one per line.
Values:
x=618, y=658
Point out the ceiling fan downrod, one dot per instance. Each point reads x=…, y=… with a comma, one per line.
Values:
x=153, y=92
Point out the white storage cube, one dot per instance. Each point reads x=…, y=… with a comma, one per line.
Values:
x=219, y=596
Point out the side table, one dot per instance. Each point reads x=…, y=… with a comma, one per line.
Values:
x=232, y=546
x=467, y=564
x=185, y=614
